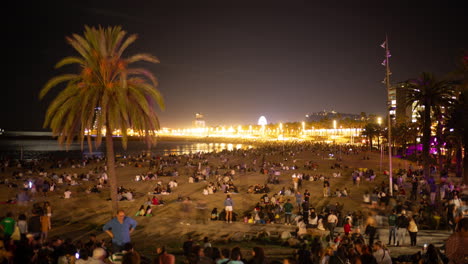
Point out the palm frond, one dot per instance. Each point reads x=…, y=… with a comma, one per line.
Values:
x=54, y=82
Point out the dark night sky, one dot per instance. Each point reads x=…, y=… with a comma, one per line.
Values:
x=236, y=62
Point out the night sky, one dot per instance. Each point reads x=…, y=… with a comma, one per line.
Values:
x=236, y=62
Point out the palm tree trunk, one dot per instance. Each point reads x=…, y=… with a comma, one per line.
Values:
x=426, y=139
x=111, y=170
x=439, y=144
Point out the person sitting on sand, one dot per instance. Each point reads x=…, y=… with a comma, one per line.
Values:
x=141, y=211
x=128, y=195
x=214, y=214
x=149, y=211
x=155, y=201
x=67, y=194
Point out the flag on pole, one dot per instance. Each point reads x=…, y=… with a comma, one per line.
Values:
x=384, y=44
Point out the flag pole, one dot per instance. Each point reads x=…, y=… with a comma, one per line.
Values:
x=389, y=105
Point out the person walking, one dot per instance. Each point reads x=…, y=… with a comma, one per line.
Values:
x=332, y=220
x=202, y=215
x=413, y=231
x=347, y=227
x=228, y=206
x=371, y=228
x=119, y=229
x=186, y=210
x=392, y=228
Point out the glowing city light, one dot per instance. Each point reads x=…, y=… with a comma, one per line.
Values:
x=262, y=121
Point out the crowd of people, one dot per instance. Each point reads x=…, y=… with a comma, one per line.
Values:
x=427, y=204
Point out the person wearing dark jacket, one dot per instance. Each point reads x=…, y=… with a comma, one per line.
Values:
x=34, y=224
x=402, y=226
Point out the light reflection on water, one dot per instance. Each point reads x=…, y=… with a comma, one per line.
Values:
x=48, y=146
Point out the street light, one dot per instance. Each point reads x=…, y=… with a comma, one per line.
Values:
x=379, y=121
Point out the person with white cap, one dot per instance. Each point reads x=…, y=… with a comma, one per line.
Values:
x=99, y=254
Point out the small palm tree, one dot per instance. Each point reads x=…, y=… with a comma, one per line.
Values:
x=126, y=96
x=429, y=94
x=371, y=130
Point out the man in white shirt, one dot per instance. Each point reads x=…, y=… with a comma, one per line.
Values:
x=332, y=221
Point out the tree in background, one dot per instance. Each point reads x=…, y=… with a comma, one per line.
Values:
x=429, y=94
x=125, y=96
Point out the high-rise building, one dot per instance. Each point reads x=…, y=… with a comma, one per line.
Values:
x=199, y=121
x=97, y=113
x=398, y=109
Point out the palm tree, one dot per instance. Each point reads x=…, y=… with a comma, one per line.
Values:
x=428, y=93
x=458, y=121
x=126, y=96
x=371, y=130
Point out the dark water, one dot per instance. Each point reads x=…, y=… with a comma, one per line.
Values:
x=40, y=148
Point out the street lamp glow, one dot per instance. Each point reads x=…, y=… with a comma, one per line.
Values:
x=379, y=120
x=334, y=124
x=281, y=126
x=303, y=125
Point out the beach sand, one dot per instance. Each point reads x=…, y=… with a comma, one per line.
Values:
x=84, y=213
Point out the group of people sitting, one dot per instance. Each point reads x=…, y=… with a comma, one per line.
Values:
x=124, y=194
x=257, y=188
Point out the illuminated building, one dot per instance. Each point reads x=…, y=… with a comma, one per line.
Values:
x=199, y=121
x=399, y=111
x=318, y=116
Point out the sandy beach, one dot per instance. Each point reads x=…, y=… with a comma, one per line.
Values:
x=85, y=213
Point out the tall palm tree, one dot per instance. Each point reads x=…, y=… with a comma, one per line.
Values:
x=458, y=121
x=126, y=96
x=429, y=94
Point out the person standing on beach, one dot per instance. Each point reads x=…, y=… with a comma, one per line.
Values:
x=48, y=212
x=288, y=207
x=402, y=225
x=392, y=228
x=298, y=196
x=186, y=209
x=332, y=220
x=8, y=226
x=228, y=204
x=119, y=229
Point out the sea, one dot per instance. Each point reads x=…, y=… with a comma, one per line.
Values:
x=39, y=148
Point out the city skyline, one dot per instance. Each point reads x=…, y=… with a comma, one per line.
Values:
x=235, y=64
